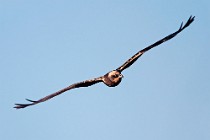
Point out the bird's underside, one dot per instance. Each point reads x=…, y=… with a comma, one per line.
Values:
x=112, y=78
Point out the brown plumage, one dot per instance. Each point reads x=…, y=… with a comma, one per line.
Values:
x=112, y=78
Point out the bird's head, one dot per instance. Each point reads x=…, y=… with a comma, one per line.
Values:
x=113, y=78
x=115, y=74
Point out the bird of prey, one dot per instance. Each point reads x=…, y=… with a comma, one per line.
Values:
x=112, y=78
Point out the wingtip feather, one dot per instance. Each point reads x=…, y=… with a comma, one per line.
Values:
x=19, y=106
x=189, y=21
x=181, y=26
x=31, y=101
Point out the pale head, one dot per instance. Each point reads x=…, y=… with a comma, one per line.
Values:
x=113, y=78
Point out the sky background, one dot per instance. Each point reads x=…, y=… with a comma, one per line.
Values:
x=46, y=45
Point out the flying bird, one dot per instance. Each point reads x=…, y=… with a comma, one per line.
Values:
x=112, y=78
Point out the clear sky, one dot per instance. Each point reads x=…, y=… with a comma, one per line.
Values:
x=46, y=45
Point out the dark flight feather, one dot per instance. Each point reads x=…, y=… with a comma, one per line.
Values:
x=76, y=85
x=130, y=61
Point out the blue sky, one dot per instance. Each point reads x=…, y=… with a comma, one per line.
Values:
x=48, y=45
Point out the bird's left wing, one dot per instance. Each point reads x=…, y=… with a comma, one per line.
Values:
x=130, y=61
x=85, y=83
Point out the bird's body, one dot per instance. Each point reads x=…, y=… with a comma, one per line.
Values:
x=112, y=78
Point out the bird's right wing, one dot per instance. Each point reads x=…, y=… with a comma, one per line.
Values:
x=85, y=83
x=130, y=61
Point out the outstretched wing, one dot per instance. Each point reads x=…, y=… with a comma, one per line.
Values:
x=130, y=61
x=76, y=85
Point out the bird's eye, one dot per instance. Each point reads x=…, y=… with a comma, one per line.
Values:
x=115, y=76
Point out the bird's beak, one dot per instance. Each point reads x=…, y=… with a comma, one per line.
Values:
x=121, y=76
